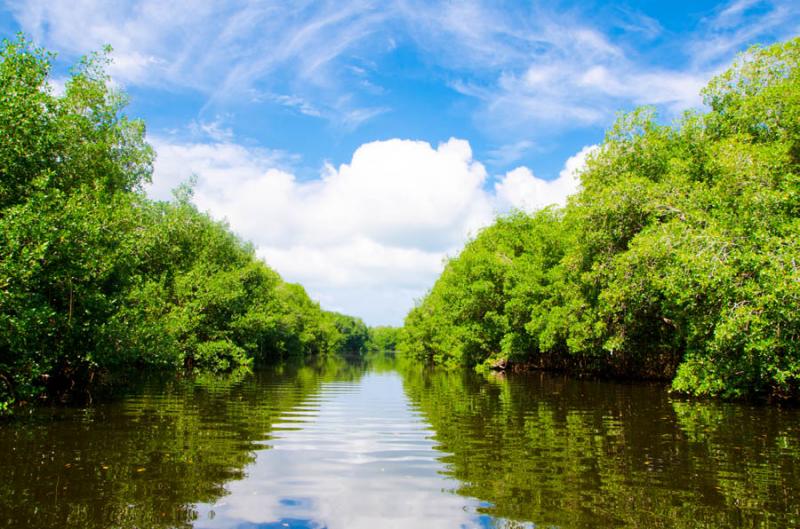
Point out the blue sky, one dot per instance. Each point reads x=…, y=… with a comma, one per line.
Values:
x=358, y=143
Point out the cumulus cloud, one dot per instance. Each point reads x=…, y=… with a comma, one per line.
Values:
x=520, y=189
x=404, y=193
x=218, y=164
x=369, y=236
x=377, y=226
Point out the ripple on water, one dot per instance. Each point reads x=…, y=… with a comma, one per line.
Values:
x=366, y=458
x=309, y=448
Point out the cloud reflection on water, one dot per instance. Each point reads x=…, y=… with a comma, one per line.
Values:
x=365, y=459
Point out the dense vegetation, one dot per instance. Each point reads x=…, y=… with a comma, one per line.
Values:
x=678, y=258
x=95, y=278
x=382, y=339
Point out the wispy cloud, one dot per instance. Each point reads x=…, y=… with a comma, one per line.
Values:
x=353, y=118
x=222, y=50
x=541, y=70
x=509, y=153
x=554, y=70
x=295, y=102
x=732, y=14
x=637, y=23
x=741, y=23
x=215, y=130
x=529, y=64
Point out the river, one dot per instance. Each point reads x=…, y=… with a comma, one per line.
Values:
x=342, y=445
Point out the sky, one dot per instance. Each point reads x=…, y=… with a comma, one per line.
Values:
x=360, y=144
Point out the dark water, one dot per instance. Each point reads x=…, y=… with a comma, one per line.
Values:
x=343, y=446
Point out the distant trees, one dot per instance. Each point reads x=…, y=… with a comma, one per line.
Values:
x=677, y=258
x=351, y=336
x=95, y=278
x=383, y=339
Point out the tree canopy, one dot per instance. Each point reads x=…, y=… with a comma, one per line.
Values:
x=95, y=278
x=678, y=257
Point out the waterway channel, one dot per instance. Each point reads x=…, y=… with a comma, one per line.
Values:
x=342, y=445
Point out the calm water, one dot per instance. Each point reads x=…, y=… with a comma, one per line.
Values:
x=343, y=446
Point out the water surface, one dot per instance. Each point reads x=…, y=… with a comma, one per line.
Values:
x=345, y=446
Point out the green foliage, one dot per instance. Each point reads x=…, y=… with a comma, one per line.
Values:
x=352, y=335
x=383, y=339
x=677, y=258
x=219, y=355
x=95, y=278
x=63, y=143
x=479, y=306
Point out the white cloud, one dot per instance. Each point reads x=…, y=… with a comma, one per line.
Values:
x=58, y=85
x=539, y=71
x=224, y=50
x=742, y=23
x=510, y=153
x=221, y=165
x=638, y=23
x=290, y=101
x=401, y=192
x=520, y=189
x=731, y=15
x=369, y=236
x=215, y=130
x=353, y=118
x=581, y=80
x=379, y=225
x=527, y=64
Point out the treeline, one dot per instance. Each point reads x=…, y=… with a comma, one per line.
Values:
x=95, y=278
x=678, y=258
x=382, y=339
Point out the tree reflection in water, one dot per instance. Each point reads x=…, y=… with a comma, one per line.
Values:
x=570, y=453
x=337, y=446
